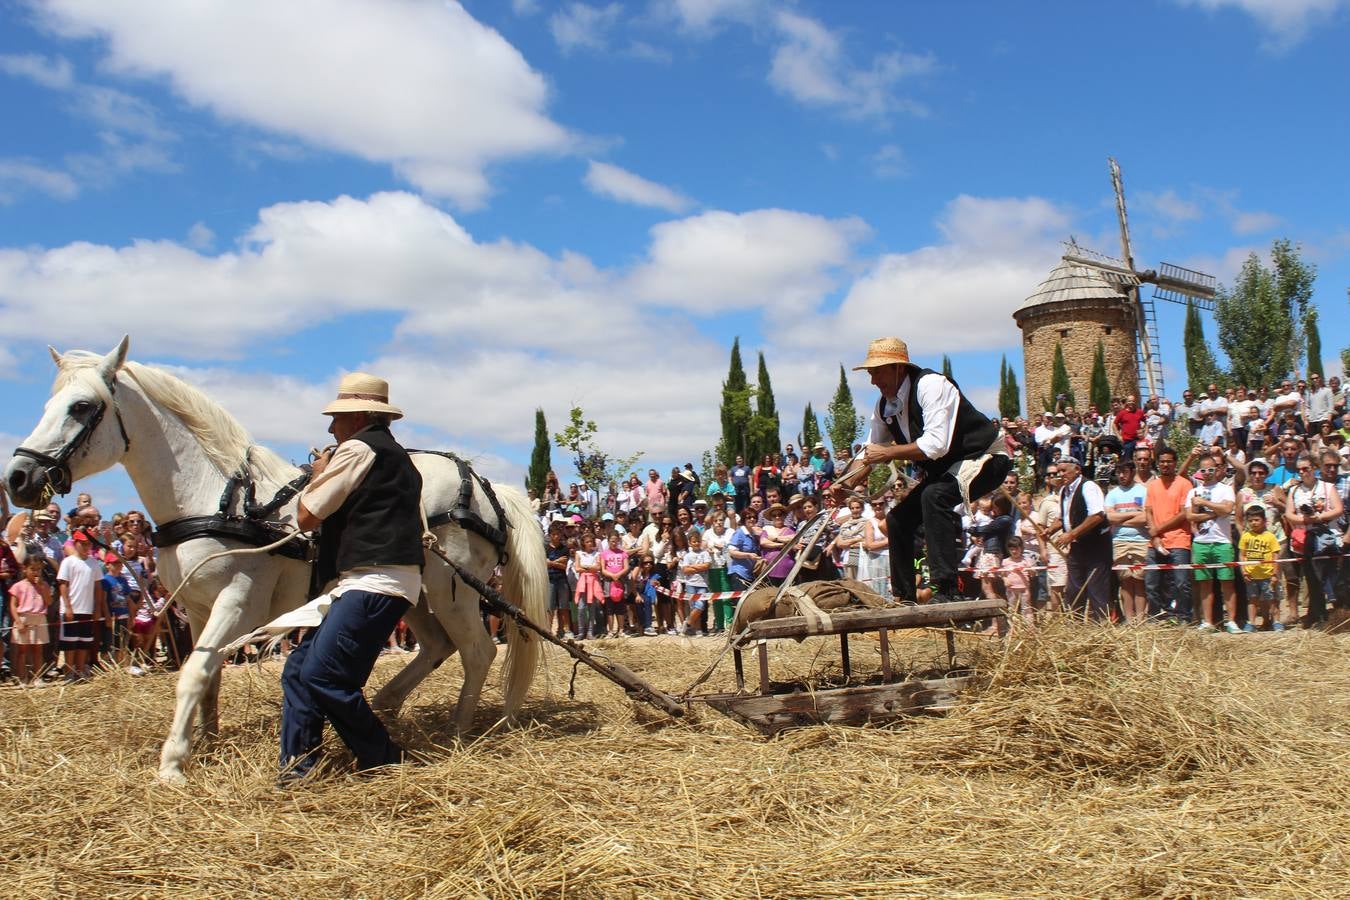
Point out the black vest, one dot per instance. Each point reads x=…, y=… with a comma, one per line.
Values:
x=972, y=434
x=1078, y=512
x=380, y=523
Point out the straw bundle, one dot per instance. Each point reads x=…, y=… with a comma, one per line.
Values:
x=1095, y=762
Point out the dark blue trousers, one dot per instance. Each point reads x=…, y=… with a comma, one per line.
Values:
x=323, y=679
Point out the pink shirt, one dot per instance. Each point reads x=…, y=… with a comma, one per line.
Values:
x=613, y=561
x=28, y=600
x=1015, y=574
x=656, y=494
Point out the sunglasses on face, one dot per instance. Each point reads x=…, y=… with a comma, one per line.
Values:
x=1209, y=470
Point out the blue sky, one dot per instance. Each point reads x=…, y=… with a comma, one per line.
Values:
x=504, y=205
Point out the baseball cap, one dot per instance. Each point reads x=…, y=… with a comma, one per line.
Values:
x=1260, y=461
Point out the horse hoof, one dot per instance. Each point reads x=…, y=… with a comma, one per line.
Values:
x=171, y=778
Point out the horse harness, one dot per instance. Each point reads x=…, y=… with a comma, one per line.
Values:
x=253, y=526
x=89, y=414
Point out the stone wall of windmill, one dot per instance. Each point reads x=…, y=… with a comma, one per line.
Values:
x=1074, y=308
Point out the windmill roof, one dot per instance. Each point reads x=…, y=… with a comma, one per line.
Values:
x=1072, y=281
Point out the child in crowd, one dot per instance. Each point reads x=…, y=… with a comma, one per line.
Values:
x=1017, y=580
x=614, y=564
x=693, y=568
x=1262, y=547
x=29, y=599
x=589, y=597
x=645, y=579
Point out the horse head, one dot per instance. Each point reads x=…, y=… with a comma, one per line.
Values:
x=80, y=432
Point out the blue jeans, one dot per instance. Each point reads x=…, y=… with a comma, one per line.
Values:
x=323, y=678
x=1178, y=599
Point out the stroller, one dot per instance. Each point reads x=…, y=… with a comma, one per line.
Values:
x=1105, y=458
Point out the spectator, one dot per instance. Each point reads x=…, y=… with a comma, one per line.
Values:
x=1170, y=536
x=717, y=541
x=1048, y=524
x=559, y=592
x=29, y=599
x=1209, y=509
x=1187, y=412
x=1128, y=423
x=1313, y=505
x=1085, y=540
x=740, y=482
x=1321, y=402
x=1257, y=545
x=81, y=602
x=1129, y=540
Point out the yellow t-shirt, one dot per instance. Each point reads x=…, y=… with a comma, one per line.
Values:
x=1265, y=547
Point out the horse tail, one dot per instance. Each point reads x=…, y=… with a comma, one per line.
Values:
x=525, y=581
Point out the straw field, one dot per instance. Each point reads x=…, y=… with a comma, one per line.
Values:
x=1094, y=762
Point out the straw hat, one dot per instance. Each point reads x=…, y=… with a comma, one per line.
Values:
x=776, y=509
x=885, y=351
x=360, y=392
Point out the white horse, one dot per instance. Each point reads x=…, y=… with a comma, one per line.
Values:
x=180, y=448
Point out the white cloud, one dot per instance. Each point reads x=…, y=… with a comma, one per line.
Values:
x=200, y=236
x=770, y=258
x=810, y=66
x=18, y=176
x=1286, y=22
x=619, y=184
x=50, y=72
x=889, y=162
x=1248, y=223
x=1170, y=206
x=419, y=85
x=951, y=296
x=581, y=26
x=810, y=62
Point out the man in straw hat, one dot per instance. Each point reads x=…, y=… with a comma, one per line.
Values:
x=367, y=495
x=923, y=418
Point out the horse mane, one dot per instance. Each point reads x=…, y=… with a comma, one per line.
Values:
x=224, y=441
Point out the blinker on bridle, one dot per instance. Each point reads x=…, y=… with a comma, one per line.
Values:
x=57, y=465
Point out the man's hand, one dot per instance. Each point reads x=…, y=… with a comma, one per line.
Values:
x=1062, y=540
x=321, y=462
x=875, y=454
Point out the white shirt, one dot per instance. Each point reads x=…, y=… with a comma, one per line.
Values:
x=939, y=400
x=323, y=496
x=1214, y=531
x=1092, y=496
x=1218, y=404
x=1320, y=402
x=80, y=576
x=1292, y=401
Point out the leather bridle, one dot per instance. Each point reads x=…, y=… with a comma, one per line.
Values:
x=57, y=465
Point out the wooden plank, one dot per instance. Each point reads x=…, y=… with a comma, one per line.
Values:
x=935, y=614
x=772, y=713
x=740, y=668
x=845, y=663
x=764, y=685
x=884, y=638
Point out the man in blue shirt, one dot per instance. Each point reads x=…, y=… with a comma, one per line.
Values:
x=740, y=481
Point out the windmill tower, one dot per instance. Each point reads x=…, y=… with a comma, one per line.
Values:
x=1090, y=296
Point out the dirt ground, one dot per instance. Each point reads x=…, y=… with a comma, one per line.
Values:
x=1095, y=761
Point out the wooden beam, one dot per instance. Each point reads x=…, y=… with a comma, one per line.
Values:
x=926, y=616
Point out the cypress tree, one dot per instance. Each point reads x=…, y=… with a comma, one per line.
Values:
x=735, y=410
x=1201, y=368
x=1060, y=386
x=541, y=459
x=1314, y=344
x=763, y=429
x=947, y=367
x=842, y=421
x=1014, y=395
x=810, y=430
x=1099, y=392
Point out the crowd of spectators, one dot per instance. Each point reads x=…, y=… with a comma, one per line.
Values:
x=78, y=600
x=1223, y=511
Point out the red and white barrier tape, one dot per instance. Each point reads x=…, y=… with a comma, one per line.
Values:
x=1165, y=567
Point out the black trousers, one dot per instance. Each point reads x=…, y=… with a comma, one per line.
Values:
x=931, y=505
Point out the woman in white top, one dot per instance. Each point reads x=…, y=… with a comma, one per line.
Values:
x=849, y=541
x=1312, y=506
x=874, y=563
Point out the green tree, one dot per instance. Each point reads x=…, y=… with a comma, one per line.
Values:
x=1255, y=329
x=1061, y=389
x=947, y=368
x=810, y=435
x=594, y=466
x=735, y=409
x=1099, y=391
x=541, y=459
x=1010, y=397
x=1314, y=344
x=1294, y=280
x=763, y=429
x=842, y=422
x=1201, y=368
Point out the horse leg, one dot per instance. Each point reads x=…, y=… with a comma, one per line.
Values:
x=210, y=709
x=476, y=651
x=433, y=648
x=200, y=669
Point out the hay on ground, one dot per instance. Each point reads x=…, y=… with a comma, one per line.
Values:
x=1095, y=762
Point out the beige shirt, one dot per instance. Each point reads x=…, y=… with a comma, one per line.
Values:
x=327, y=492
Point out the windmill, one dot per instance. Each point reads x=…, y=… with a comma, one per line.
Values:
x=1170, y=282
